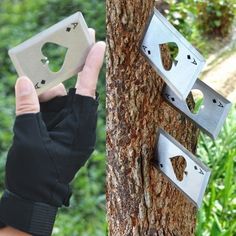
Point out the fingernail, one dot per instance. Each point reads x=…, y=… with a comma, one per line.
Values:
x=24, y=87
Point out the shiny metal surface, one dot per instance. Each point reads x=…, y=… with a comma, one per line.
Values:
x=196, y=174
x=211, y=115
x=186, y=66
x=71, y=33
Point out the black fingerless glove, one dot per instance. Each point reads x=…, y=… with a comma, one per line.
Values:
x=48, y=149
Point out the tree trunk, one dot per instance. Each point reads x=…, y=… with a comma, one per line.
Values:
x=140, y=200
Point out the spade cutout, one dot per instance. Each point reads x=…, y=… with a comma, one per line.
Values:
x=179, y=165
x=54, y=56
x=173, y=50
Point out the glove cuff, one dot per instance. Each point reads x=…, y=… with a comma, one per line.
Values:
x=31, y=217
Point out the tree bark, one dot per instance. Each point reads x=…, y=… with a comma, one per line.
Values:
x=140, y=200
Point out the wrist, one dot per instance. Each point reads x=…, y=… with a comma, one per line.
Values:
x=31, y=217
x=86, y=92
x=9, y=231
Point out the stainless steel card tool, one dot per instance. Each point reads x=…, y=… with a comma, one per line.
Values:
x=196, y=174
x=188, y=62
x=212, y=113
x=71, y=33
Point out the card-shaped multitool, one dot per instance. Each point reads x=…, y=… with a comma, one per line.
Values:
x=185, y=67
x=196, y=174
x=71, y=33
x=213, y=112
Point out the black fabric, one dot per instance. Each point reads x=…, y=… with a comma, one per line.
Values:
x=48, y=149
x=38, y=217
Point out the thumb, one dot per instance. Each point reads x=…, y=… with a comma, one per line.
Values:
x=26, y=97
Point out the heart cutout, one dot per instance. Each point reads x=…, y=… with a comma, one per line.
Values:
x=195, y=101
x=54, y=56
x=173, y=51
x=179, y=165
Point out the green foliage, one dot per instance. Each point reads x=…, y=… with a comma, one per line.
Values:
x=215, y=17
x=217, y=216
x=183, y=16
x=200, y=20
x=198, y=106
x=19, y=20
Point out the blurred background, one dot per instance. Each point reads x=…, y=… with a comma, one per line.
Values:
x=210, y=26
x=20, y=20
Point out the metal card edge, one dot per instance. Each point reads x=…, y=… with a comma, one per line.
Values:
x=195, y=159
x=37, y=38
x=185, y=150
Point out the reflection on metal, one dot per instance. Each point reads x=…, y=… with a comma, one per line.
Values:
x=71, y=33
x=212, y=113
x=185, y=67
x=193, y=181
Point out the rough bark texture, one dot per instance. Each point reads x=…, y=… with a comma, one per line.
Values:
x=140, y=200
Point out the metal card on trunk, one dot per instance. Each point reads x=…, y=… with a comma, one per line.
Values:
x=71, y=33
x=187, y=64
x=193, y=181
x=212, y=113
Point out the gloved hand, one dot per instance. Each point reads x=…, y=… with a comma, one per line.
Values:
x=49, y=147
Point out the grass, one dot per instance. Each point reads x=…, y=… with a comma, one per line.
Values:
x=217, y=215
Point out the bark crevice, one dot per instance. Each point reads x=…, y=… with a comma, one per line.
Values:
x=140, y=200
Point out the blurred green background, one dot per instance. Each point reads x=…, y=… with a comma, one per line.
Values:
x=19, y=20
x=207, y=24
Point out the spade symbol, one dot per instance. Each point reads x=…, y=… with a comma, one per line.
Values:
x=54, y=56
x=173, y=50
x=179, y=165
